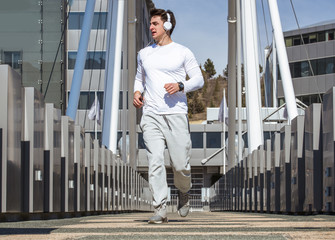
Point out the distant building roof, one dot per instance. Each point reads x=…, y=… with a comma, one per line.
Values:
x=321, y=23
x=320, y=26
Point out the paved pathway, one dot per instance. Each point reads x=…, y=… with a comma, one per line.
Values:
x=198, y=225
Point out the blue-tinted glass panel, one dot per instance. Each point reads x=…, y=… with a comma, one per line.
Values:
x=213, y=140
x=76, y=20
x=12, y=59
x=329, y=65
x=321, y=66
x=305, y=69
x=297, y=70
x=197, y=139
x=94, y=60
x=71, y=59
x=99, y=20
x=86, y=99
x=101, y=99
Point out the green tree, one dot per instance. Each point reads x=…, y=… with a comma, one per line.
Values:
x=209, y=68
x=204, y=74
x=217, y=86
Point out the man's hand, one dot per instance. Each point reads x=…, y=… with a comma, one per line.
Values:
x=171, y=88
x=138, y=99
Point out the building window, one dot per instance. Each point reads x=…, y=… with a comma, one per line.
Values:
x=296, y=41
x=304, y=69
x=94, y=60
x=330, y=65
x=296, y=70
x=319, y=66
x=13, y=59
x=197, y=139
x=213, y=140
x=309, y=99
x=306, y=39
x=312, y=38
x=288, y=42
x=76, y=20
x=321, y=36
x=86, y=100
x=330, y=35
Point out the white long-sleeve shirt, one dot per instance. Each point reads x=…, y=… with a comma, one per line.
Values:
x=158, y=65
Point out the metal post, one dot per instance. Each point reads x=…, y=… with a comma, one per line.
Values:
x=239, y=79
x=131, y=76
x=65, y=163
x=224, y=133
x=87, y=169
x=231, y=81
x=49, y=147
x=80, y=60
x=96, y=173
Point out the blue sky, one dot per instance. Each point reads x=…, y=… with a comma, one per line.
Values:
x=202, y=24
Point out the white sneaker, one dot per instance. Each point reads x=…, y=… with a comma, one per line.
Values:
x=183, y=204
x=159, y=216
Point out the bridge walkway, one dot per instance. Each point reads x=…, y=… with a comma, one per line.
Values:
x=198, y=225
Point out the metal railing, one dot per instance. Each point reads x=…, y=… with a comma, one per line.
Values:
x=293, y=172
x=49, y=165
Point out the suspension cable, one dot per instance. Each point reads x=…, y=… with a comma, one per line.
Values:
x=266, y=28
x=305, y=47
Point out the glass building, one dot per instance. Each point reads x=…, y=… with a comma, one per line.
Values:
x=32, y=43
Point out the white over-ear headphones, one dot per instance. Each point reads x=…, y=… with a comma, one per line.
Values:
x=167, y=25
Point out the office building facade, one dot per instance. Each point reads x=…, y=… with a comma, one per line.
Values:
x=311, y=55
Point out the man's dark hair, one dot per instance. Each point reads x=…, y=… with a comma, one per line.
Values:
x=163, y=15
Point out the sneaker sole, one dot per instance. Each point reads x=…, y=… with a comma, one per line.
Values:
x=165, y=220
x=183, y=215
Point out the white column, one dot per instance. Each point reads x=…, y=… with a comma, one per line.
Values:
x=283, y=61
x=274, y=72
x=113, y=78
x=251, y=75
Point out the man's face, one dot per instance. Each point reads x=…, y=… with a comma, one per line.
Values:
x=156, y=28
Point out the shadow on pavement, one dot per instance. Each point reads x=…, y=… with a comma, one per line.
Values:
x=12, y=231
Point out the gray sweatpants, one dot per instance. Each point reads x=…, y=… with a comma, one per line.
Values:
x=172, y=130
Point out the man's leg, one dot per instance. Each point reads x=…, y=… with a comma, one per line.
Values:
x=155, y=145
x=178, y=141
x=179, y=145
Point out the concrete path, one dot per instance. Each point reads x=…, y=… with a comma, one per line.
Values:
x=198, y=225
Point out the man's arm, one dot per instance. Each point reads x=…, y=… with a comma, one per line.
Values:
x=138, y=85
x=196, y=80
x=192, y=69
